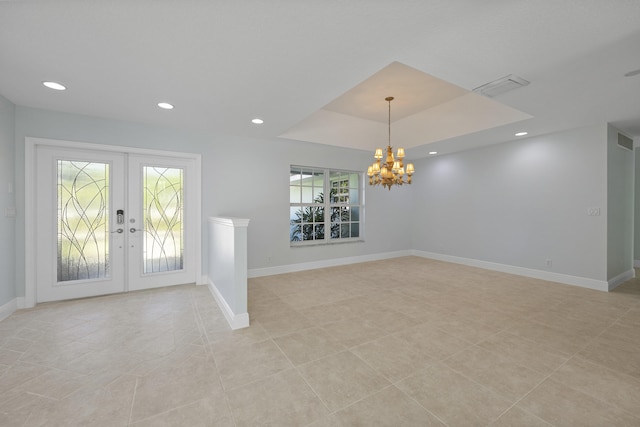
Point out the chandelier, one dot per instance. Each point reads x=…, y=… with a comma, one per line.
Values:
x=390, y=172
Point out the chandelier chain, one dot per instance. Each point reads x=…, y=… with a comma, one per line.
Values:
x=389, y=121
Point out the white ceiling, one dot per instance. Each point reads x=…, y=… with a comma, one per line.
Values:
x=224, y=62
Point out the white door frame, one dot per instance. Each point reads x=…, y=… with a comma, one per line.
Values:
x=30, y=201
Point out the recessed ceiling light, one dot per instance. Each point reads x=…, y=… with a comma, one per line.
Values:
x=165, y=105
x=433, y=152
x=54, y=85
x=521, y=133
x=257, y=121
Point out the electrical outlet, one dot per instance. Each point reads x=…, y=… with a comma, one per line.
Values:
x=549, y=263
x=593, y=211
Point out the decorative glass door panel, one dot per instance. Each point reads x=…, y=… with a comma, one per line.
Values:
x=161, y=243
x=163, y=212
x=83, y=220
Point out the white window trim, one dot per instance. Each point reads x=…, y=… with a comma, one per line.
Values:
x=327, y=209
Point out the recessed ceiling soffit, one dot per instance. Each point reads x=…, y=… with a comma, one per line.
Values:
x=426, y=109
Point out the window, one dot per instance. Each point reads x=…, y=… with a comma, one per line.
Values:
x=325, y=205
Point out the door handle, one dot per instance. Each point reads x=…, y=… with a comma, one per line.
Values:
x=119, y=231
x=133, y=230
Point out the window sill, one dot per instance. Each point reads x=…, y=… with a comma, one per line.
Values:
x=325, y=243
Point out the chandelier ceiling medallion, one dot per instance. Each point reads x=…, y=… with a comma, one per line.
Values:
x=390, y=172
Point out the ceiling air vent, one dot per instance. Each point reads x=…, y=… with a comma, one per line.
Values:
x=500, y=86
x=625, y=142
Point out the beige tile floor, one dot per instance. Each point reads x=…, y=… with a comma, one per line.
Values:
x=349, y=346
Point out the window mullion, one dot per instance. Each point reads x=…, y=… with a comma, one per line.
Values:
x=327, y=213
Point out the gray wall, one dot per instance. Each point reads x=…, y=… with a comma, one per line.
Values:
x=519, y=203
x=242, y=177
x=7, y=200
x=620, y=201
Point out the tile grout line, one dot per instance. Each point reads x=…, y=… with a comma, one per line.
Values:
x=576, y=353
x=293, y=366
x=133, y=400
x=395, y=385
x=493, y=391
x=544, y=379
x=209, y=352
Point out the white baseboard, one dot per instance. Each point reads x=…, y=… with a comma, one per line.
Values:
x=8, y=308
x=236, y=321
x=583, y=282
x=620, y=279
x=335, y=262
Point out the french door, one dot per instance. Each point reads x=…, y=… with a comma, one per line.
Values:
x=109, y=222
